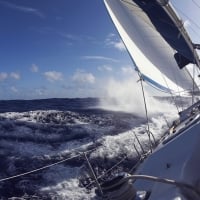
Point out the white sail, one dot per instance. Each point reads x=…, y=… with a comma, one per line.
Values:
x=162, y=52
x=152, y=54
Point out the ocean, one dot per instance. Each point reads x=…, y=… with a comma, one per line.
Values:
x=45, y=145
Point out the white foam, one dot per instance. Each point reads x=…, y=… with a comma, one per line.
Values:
x=62, y=181
x=65, y=184
x=126, y=95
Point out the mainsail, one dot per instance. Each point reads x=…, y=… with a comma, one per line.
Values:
x=156, y=41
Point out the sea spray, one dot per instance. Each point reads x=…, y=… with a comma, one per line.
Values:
x=34, y=139
x=126, y=95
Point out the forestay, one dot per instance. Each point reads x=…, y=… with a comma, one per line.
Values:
x=156, y=41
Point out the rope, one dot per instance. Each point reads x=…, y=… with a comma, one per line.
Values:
x=38, y=169
x=45, y=167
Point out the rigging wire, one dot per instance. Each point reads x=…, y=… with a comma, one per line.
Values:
x=193, y=71
x=38, y=169
x=193, y=79
x=196, y=3
x=141, y=147
x=109, y=170
x=138, y=153
x=186, y=91
x=160, y=180
x=93, y=173
x=170, y=91
x=142, y=157
x=146, y=111
x=150, y=25
x=46, y=166
x=187, y=17
x=194, y=31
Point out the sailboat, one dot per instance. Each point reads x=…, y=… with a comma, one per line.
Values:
x=162, y=51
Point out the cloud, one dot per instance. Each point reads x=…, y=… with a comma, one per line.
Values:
x=15, y=75
x=111, y=35
x=83, y=77
x=99, y=58
x=119, y=45
x=105, y=68
x=14, y=89
x=70, y=36
x=128, y=70
x=3, y=76
x=53, y=76
x=113, y=41
x=22, y=8
x=78, y=38
x=34, y=68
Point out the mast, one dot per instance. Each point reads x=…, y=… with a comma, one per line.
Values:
x=179, y=24
x=157, y=43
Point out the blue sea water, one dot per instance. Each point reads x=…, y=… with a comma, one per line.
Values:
x=37, y=133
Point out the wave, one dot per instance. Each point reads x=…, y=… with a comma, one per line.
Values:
x=36, y=138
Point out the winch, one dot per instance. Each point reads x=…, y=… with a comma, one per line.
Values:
x=121, y=188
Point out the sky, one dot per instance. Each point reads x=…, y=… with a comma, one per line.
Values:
x=61, y=49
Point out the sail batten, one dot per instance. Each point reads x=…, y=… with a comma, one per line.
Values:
x=153, y=40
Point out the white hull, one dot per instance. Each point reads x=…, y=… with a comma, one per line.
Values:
x=160, y=48
x=177, y=158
